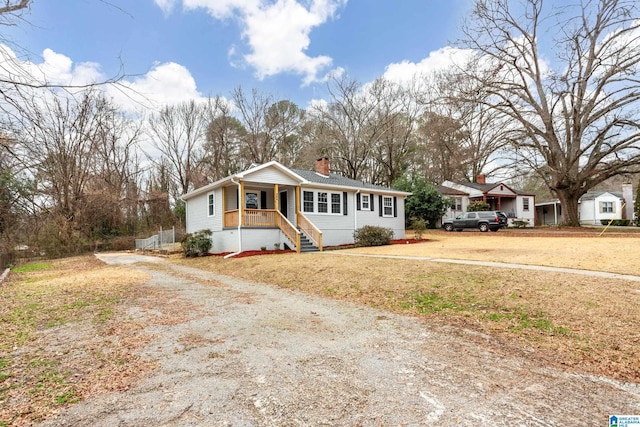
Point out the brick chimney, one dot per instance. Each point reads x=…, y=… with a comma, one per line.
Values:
x=322, y=166
x=481, y=179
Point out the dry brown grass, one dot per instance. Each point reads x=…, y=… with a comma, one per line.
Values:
x=578, y=249
x=59, y=340
x=586, y=323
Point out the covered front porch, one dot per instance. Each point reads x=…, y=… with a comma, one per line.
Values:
x=253, y=205
x=498, y=202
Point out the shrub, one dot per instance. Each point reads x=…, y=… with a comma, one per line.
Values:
x=196, y=244
x=371, y=235
x=478, y=206
x=419, y=226
x=616, y=222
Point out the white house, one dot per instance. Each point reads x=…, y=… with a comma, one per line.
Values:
x=518, y=206
x=303, y=210
x=593, y=207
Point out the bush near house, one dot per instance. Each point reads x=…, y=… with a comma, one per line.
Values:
x=478, y=206
x=616, y=222
x=419, y=226
x=425, y=201
x=370, y=235
x=197, y=244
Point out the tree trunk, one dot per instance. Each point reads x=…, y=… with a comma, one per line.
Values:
x=570, y=207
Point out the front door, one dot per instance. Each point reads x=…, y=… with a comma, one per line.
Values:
x=283, y=204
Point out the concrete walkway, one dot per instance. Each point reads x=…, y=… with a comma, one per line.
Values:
x=592, y=273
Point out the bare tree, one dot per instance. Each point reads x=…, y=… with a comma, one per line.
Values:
x=259, y=145
x=397, y=115
x=484, y=131
x=577, y=111
x=61, y=142
x=178, y=132
x=224, y=138
x=441, y=154
x=350, y=126
x=284, y=119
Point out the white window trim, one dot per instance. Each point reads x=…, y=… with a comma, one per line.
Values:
x=326, y=202
x=384, y=206
x=365, y=202
x=316, y=203
x=605, y=205
x=332, y=204
x=313, y=202
x=211, y=204
x=526, y=204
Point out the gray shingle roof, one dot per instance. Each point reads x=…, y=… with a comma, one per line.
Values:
x=338, y=180
x=592, y=195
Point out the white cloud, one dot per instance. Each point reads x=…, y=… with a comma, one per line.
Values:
x=277, y=33
x=439, y=60
x=165, y=84
x=54, y=69
x=166, y=5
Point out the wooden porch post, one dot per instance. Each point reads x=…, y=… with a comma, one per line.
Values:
x=224, y=206
x=276, y=197
x=241, y=204
x=297, y=200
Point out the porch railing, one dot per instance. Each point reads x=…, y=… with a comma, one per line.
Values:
x=310, y=230
x=289, y=230
x=273, y=218
x=231, y=218
x=259, y=218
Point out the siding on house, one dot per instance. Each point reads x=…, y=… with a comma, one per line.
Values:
x=591, y=208
x=198, y=216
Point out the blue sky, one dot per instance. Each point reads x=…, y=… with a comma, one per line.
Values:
x=179, y=49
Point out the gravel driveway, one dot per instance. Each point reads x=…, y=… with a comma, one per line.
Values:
x=248, y=354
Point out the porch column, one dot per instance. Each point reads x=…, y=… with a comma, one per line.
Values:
x=241, y=204
x=297, y=200
x=499, y=203
x=224, y=206
x=276, y=198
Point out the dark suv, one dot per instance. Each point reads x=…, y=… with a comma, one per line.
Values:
x=483, y=220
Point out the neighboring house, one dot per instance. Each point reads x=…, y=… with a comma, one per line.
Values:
x=300, y=209
x=516, y=205
x=593, y=207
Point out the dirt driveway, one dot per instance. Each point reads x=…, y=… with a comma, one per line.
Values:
x=247, y=354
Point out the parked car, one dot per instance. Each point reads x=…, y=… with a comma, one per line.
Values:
x=483, y=220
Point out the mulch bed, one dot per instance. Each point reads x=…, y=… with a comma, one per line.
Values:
x=244, y=254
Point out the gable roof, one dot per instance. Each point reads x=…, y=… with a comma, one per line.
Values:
x=592, y=195
x=475, y=189
x=307, y=178
x=450, y=191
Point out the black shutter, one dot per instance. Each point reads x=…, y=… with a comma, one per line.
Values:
x=380, y=205
x=371, y=202
x=263, y=200
x=358, y=201
x=238, y=199
x=395, y=206
x=344, y=203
